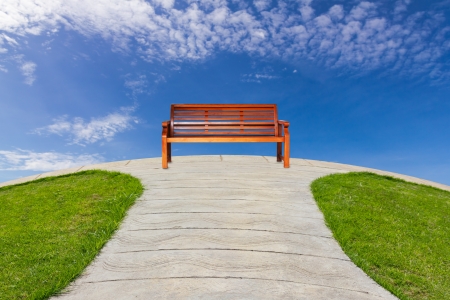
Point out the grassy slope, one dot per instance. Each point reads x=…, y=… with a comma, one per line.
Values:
x=396, y=231
x=51, y=229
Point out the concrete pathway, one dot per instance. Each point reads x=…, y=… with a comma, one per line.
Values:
x=224, y=227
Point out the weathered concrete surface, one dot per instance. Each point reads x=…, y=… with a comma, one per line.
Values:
x=224, y=227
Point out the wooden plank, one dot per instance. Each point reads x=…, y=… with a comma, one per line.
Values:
x=250, y=108
x=224, y=106
x=226, y=117
x=224, y=114
x=224, y=123
x=275, y=120
x=235, y=139
x=261, y=118
x=210, y=127
x=172, y=109
x=192, y=133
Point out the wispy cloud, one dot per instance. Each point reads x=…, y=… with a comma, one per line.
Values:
x=262, y=4
x=102, y=128
x=136, y=85
x=5, y=39
x=44, y=161
x=257, y=77
x=27, y=68
x=363, y=37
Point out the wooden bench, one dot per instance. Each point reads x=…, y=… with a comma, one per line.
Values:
x=223, y=123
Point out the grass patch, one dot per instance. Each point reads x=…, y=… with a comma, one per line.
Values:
x=52, y=228
x=396, y=231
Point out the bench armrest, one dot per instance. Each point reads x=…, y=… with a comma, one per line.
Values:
x=284, y=123
x=165, y=128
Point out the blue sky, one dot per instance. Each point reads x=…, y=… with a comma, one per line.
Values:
x=361, y=82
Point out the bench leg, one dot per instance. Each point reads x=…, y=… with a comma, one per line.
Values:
x=164, y=153
x=169, y=152
x=279, y=157
x=287, y=151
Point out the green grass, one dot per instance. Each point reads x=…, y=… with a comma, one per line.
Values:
x=396, y=231
x=52, y=228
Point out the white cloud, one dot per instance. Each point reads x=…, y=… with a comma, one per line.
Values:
x=44, y=161
x=363, y=37
x=257, y=77
x=137, y=85
x=362, y=11
x=9, y=40
x=265, y=76
x=401, y=6
x=307, y=12
x=167, y=4
x=336, y=12
x=262, y=4
x=97, y=129
x=160, y=78
x=28, y=69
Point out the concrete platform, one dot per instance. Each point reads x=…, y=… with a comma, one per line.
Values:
x=224, y=227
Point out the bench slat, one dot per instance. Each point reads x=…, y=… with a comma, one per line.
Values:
x=225, y=123
x=225, y=117
x=224, y=139
x=224, y=105
x=237, y=118
x=223, y=113
x=191, y=128
x=224, y=133
x=246, y=108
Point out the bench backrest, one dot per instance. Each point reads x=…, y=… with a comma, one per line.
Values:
x=223, y=120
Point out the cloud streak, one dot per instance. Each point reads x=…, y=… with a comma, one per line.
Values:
x=257, y=77
x=44, y=161
x=27, y=68
x=97, y=129
x=364, y=37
